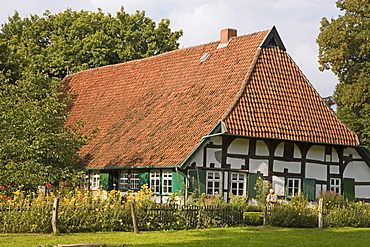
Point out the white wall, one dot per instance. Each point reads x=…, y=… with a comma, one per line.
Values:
x=297, y=152
x=279, y=151
x=357, y=170
x=348, y=151
x=239, y=146
x=236, y=163
x=362, y=191
x=334, y=169
x=258, y=165
x=278, y=184
x=293, y=167
x=261, y=148
x=211, y=158
x=316, y=171
x=316, y=153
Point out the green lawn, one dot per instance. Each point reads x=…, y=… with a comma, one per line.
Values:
x=236, y=236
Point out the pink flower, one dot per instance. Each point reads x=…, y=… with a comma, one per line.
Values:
x=9, y=186
x=1, y=187
x=48, y=185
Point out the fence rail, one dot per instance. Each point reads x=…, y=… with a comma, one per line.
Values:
x=195, y=216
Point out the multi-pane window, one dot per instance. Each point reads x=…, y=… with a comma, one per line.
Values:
x=213, y=183
x=128, y=180
x=166, y=182
x=294, y=186
x=123, y=180
x=155, y=177
x=237, y=184
x=134, y=181
x=335, y=184
x=94, y=179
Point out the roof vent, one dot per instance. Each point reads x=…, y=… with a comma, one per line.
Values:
x=204, y=57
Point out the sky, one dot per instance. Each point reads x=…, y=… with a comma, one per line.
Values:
x=297, y=22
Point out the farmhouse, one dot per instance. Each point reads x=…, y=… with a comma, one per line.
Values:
x=212, y=119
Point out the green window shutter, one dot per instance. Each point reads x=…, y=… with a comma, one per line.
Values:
x=251, y=183
x=104, y=180
x=197, y=181
x=143, y=179
x=348, y=188
x=309, y=188
x=178, y=182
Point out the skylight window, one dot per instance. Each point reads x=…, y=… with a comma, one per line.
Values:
x=204, y=57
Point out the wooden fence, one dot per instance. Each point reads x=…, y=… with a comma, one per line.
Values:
x=195, y=216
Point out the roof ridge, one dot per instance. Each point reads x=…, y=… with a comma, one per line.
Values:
x=162, y=54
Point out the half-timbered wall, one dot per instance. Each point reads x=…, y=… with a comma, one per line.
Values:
x=279, y=160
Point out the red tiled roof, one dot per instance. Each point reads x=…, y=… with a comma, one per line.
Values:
x=154, y=112
x=279, y=102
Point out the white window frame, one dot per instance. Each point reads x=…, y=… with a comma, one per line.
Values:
x=155, y=181
x=123, y=180
x=94, y=179
x=238, y=180
x=128, y=180
x=167, y=182
x=295, y=188
x=335, y=185
x=134, y=180
x=214, y=182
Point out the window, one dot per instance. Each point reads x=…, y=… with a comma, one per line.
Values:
x=294, y=186
x=167, y=182
x=335, y=184
x=94, y=179
x=128, y=180
x=123, y=180
x=155, y=180
x=213, y=183
x=134, y=181
x=237, y=183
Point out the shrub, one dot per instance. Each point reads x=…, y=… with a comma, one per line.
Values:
x=253, y=218
x=293, y=214
x=354, y=214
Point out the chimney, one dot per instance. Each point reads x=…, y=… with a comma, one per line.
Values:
x=227, y=34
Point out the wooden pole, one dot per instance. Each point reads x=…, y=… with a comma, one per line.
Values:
x=265, y=215
x=133, y=216
x=54, y=220
x=321, y=222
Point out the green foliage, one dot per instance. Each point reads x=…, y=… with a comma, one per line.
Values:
x=344, y=49
x=58, y=44
x=332, y=200
x=262, y=188
x=354, y=214
x=238, y=201
x=36, y=148
x=294, y=214
x=253, y=218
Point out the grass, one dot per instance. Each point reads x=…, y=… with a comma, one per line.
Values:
x=234, y=236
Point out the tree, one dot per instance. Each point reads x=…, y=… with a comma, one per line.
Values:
x=68, y=42
x=344, y=48
x=36, y=148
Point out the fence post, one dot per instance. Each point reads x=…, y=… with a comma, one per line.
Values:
x=133, y=215
x=54, y=220
x=265, y=215
x=321, y=223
